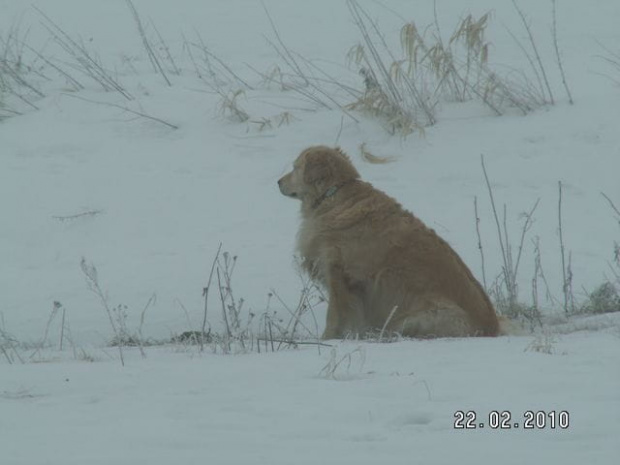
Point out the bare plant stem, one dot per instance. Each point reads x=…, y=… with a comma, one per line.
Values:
x=140, y=341
x=62, y=328
x=291, y=61
x=86, y=62
x=524, y=230
x=569, y=284
x=309, y=83
x=557, y=53
x=21, y=81
x=43, y=341
x=496, y=217
x=339, y=130
x=129, y=110
x=164, y=45
x=270, y=334
x=534, y=315
x=454, y=73
x=536, y=274
x=484, y=275
x=289, y=58
x=76, y=84
x=376, y=66
x=209, y=55
x=90, y=272
x=8, y=342
x=147, y=45
x=205, y=293
x=564, y=278
x=78, y=215
x=612, y=205
x=6, y=355
x=224, y=315
x=535, y=50
x=510, y=281
x=294, y=314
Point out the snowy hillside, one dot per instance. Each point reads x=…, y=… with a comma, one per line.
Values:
x=134, y=141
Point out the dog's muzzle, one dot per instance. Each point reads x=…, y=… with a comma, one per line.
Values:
x=284, y=192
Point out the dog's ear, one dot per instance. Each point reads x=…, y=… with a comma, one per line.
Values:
x=317, y=169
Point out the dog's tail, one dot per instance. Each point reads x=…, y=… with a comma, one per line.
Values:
x=508, y=327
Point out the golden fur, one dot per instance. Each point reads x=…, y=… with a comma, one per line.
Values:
x=373, y=256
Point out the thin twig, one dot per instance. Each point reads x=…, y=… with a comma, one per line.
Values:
x=499, y=229
x=21, y=81
x=62, y=328
x=43, y=341
x=129, y=110
x=270, y=335
x=8, y=341
x=164, y=45
x=87, y=64
x=205, y=294
x=329, y=79
x=293, y=314
x=6, y=355
x=526, y=227
x=541, y=88
x=147, y=45
x=569, y=286
x=484, y=276
x=152, y=300
x=77, y=215
x=76, y=84
x=90, y=272
x=208, y=54
x=564, y=281
x=539, y=272
x=535, y=49
x=222, y=299
x=291, y=59
x=611, y=204
x=557, y=53
x=510, y=278
x=339, y=130
x=309, y=83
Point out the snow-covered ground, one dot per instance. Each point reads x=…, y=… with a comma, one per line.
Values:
x=148, y=205
x=395, y=403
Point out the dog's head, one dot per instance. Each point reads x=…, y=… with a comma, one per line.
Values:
x=317, y=170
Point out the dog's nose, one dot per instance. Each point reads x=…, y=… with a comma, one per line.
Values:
x=279, y=182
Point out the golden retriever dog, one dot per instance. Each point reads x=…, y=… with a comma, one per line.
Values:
x=382, y=267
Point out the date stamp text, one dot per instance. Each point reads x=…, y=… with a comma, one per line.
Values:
x=504, y=419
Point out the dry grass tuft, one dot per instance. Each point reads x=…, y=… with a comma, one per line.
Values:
x=230, y=108
x=404, y=88
x=543, y=343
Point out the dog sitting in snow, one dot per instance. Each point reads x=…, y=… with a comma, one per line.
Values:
x=382, y=267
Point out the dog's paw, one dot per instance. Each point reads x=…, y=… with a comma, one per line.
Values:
x=331, y=333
